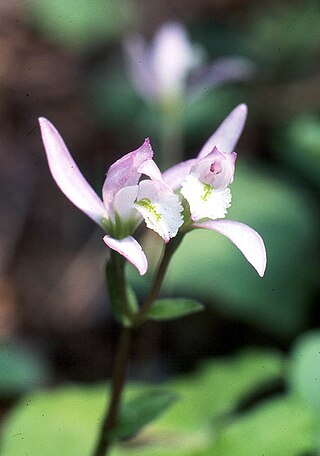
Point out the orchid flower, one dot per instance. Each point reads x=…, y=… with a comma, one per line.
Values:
x=126, y=201
x=204, y=183
x=161, y=71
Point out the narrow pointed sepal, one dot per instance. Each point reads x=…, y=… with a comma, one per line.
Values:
x=248, y=241
x=228, y=133
x=67, y=174
x=130, y=249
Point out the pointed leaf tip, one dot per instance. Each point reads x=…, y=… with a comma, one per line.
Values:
x=168, y=309
x=140, y=411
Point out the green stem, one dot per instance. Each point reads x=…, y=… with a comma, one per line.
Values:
x=118, y=381
x=118, y=294
x=117, y=288
x=169, y=250
x=171, y=134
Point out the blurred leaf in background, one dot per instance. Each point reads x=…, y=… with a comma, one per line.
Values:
x=66, y=421
x=300, y=147
x=281, y=426
x=285, y=37
x=82, y=24
x=21, y=369
x=305, y=370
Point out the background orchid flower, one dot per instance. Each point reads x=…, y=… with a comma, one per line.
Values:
x=161, y=70
x=204, y=182
x=126, y=202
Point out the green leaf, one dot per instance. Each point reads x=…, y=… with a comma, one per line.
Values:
x=167, y=309
x=219, y=387
x=305, y=369
x=61, y=422
x=281, y=426
x=138, y=412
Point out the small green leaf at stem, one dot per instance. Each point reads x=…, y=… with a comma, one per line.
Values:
x=138, y=412
x=167, y=309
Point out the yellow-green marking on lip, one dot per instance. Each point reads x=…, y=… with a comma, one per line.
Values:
x=208, y=189
x=146, y=203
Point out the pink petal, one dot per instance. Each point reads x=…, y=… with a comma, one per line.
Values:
x=67, y=175
x=175, y=175
x=150, y=169
x=226, y=136
x=131, y=250
x=140, y=69
x=124, y=172
x=248, y=241
x=221, y=71
x=172, y=57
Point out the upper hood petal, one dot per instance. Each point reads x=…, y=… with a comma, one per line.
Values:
x=124, y=172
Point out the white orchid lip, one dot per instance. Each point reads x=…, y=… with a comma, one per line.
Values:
x=160, y=208
x=205, y=201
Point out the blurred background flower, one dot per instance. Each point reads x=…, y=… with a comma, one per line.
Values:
x=66, y=61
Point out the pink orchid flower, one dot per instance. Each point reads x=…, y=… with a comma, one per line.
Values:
x=171, y=66
x=126, y=201
x=204, y=183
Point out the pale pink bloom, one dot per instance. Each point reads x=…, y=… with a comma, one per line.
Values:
x=204, y=183
x=126, y=201
x=171, y=65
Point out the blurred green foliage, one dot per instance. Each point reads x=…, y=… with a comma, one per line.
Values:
x=281, y=426
x=206, y=421
x=66, y=421
x=300, y=147
x=285, y=37
x=139, y=411
x=82, y=24
x=117, y=106
x=21, y=369
x=305, y=370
